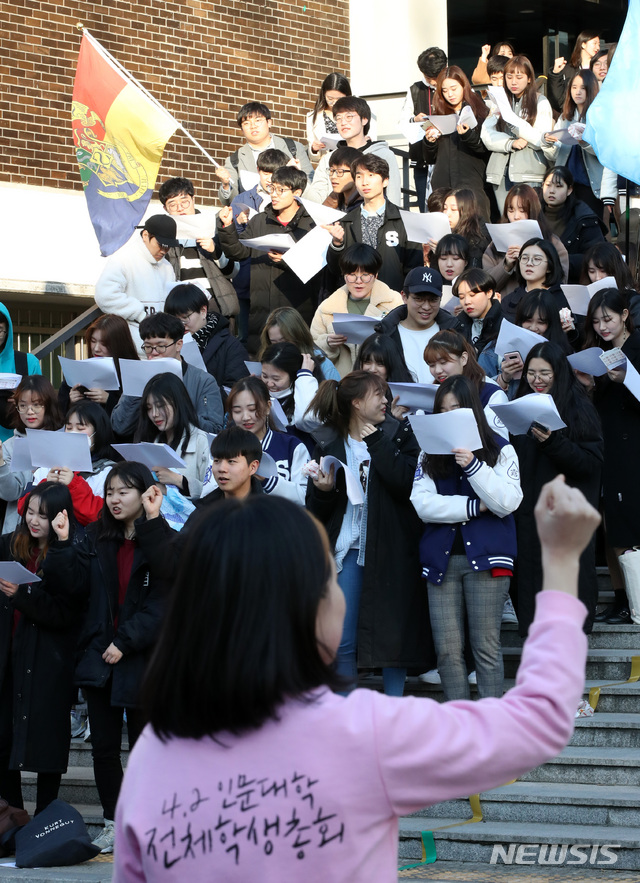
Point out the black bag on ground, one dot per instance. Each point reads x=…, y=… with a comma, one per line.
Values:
x=56, y=837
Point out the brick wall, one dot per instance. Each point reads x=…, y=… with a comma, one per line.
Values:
x=202, y=60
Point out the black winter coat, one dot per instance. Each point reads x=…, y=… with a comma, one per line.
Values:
x=583, y=229
x=40, y=658
x=399, y=254
x=272, y=284
x=581, y=463
x=490, y=327
x=389, y=325
x=140, y=617
x=393, y=627
x=509, y=302
x=620, y=414
x=224, y=355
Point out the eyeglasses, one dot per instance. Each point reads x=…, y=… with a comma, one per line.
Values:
x=22, y=408
x=178, y=202
x=277, y=190
x=339, y=173
x=159, y=348
x=345, y=117
x=543, y=375
x=535, y=259
x=253, y=120
x=185, y=319
x=363, y=277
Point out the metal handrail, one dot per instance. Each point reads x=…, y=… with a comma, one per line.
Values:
x=66, y=336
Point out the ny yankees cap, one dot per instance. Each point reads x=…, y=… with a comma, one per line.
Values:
x=423, y=279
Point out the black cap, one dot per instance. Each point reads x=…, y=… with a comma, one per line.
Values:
x=423, y=280
x=163, y=228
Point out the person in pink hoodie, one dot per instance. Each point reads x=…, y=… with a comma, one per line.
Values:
x=252, y=768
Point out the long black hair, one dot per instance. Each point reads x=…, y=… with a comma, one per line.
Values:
x=133, y=475
x=382, y=350
x=93, y=414
x=606, y=257
x=612, y=301
x=333, y=82
x=235, y=648
x=561, y=175
x=544, y=303
x=465, y=391
x=167, y=389
x=53, y=497
x=554, y=267
x=572, y=401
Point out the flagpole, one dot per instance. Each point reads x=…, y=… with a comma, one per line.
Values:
x=146, y=92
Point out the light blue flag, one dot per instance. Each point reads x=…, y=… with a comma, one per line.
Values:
x=613, y=120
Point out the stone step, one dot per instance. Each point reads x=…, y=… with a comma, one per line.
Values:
x=607, y=730
x=606, y=664
x=590, y=765
x=550, y=803
x=80, y=753
x=603, y=636
x=78, y=786
x=475, y=842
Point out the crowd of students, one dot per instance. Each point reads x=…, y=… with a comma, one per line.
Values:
x=431, y=551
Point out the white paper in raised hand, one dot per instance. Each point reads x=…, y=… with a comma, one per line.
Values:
x=321, y=214
x=246, y=208
x=278, y=416
x=632, y=380
x=355, y=328
x=516, y=233
x=268, y=467
x=413, y=132
x=16, y=573
x=466, y=117
x=415, y=395
x=254, y=368
x=354, y=488
x=423, y=226
x=136, y=373
x=190, y=352
x=272, y=242
x=514, y=339
x=309, y=255
x=21, y=456
x=98, y=373
x=444, y=123
x=151, y=454
x=9, y=381
x=69, y=449
x=519, y=414
x=588, y=361
x=499, y=97
x=248, y=179
x=579, y=296
x=200, y=226
x=441, y=433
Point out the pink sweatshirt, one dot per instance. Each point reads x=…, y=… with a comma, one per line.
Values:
x=316, y=795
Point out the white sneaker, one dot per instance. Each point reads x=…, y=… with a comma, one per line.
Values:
x=430, y=677
x=106, y=839
x=472, y=678
x=508, y=613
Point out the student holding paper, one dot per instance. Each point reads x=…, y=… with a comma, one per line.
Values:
x=465, y=219
x=379, y=355
x=538, y=267
x=11, y=362
x=39, y=623
x=107, y=336
x=604, y=259
x=575, y=452
x=167, y=416
x=466, y=500
x=521, y=204
x=375, y=543
x=609, y=324
x=362, y=294
x=286, y=324
x=128, y=561
x=36, y=408
x=459, y=159
x=320, y=121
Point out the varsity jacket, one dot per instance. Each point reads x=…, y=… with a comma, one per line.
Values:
x=446, y=504
x=290, y=456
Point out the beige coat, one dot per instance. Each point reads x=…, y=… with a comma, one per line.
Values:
x=382, y=300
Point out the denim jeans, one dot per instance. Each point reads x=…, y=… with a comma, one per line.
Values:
x=483, y=596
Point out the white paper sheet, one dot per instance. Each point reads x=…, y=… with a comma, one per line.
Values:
x=278, y=416
x=441, y=433
x=499, y=97
x=416, y=396
x=519, y=414
x=517, y=233
x=151, y=454
x=413, y=132
x=580, y=295
x=354, y=488
x=445, y=123
x=200, y=226
x=9, y=381
x=254, y=368
x=51, y=449
x=321, y=214
x=424, y=226
x=466, y=117
x=136, y=373
x=14, y=572
x=99, y=373
x=613, y=358
x=21, y=456
x=268, y=467
x=449, y=301
x=245, y=207
x=588, y=361
x=190, y=352
x=514, y=339
x=249, y=179
x=564, y=136
x=355, y=328
x=330, y=140
x=632, y=380
x=309, y=255
x=272, y=242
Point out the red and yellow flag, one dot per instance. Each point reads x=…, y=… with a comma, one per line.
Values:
x=119, y=135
